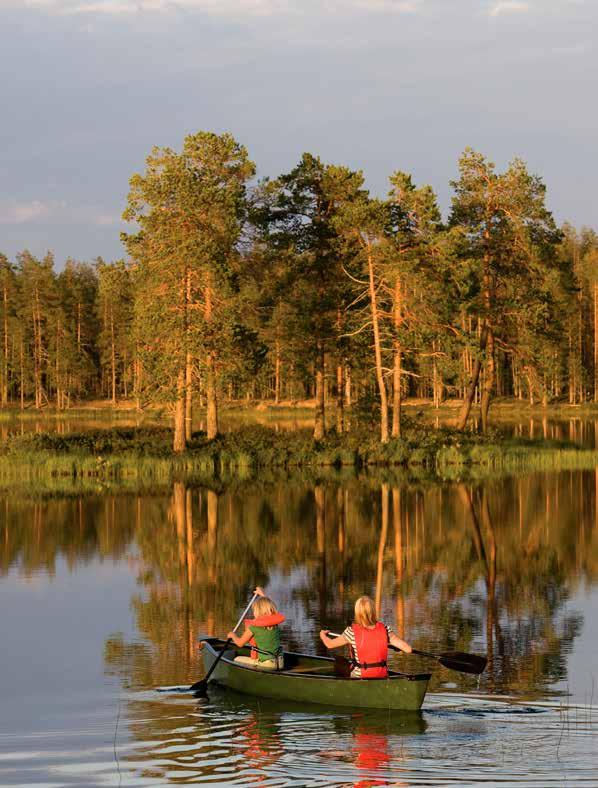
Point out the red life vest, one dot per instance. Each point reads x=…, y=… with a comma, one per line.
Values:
x=372, y=651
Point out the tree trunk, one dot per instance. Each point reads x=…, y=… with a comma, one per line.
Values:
x=138, y=378
x=437, y=379
x=22, y=375
x=113, y=357
x=571, y=369
x=348, y=392
x=5, y=349
x=475, y=376
x=378, y=350
x=188, y=362
x=57, y=367
x=188, y=396
x=320, y=414
x=179, y=443
x=340, y=399
x=397, y=361
x=277, y=366
x=488, y=380
x=211, y=394
x=211, y=398
x=36, y=353
x=396, y=392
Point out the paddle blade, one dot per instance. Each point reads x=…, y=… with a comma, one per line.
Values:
x=462, y=662
x=200, y=688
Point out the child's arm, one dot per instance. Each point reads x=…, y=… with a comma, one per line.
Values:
x=243, y=640
x=329, y=642
x=397, y=642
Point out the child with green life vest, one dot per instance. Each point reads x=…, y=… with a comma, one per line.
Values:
x=263, y=634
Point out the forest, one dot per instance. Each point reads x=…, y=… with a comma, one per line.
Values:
x=306, y=286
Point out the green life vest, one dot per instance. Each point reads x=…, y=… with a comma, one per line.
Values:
x=267, y=639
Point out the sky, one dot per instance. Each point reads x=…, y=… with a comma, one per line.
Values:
x=87, y=87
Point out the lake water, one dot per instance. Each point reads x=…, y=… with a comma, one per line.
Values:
x=103, y=597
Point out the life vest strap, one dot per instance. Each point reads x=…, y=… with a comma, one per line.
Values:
x=368, y=665
x=278, y=653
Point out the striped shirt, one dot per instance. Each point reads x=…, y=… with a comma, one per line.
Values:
x=349, y=636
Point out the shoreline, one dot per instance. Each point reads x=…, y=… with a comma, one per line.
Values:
x=143, y=456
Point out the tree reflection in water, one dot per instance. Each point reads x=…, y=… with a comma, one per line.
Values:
x=487, y=567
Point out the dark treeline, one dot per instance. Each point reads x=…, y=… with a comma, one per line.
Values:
x=305, y=286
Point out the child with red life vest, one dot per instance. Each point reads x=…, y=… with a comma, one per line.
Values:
x=263, y=634
x=368, y=641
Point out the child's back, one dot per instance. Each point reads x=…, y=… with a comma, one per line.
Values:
x=263, y=633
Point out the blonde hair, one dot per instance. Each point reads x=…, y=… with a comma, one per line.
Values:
x=263, y=606
x=365, y=612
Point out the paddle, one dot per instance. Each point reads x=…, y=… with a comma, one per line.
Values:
x=201, y=686
x=454, y=660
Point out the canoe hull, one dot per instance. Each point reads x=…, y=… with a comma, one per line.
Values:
x=308, y=679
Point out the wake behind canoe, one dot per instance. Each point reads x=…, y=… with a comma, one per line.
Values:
x=311, y=679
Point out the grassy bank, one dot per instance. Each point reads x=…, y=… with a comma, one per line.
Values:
x=142, y=456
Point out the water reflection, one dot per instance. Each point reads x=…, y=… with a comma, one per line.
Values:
x=499, y=568
x=237, y=738
x=487, y=568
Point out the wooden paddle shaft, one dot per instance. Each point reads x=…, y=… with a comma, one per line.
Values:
x=424, y=654
x=244, y=613
x=203, y=683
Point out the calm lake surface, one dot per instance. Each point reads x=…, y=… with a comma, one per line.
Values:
x=103, y=597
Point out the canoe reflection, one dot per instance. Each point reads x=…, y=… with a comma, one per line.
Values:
x=371, y=741
x=375, y=748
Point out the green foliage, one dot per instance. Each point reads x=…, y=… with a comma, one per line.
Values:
x=268, y=293
x=189, y=208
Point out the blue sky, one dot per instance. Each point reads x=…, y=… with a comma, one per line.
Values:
x=88, y=86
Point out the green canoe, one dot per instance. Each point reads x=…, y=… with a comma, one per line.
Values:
x=310, y=679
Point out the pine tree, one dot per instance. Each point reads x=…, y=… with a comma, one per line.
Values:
x=78, y=286
x=189, y=208
x=506, y=235
x=115, y=315
x=38, y=301
x=298, y=224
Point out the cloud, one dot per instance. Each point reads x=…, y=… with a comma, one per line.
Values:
x=508, y=7
x=53, y=212
x=22, y=213
x=219, y=7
